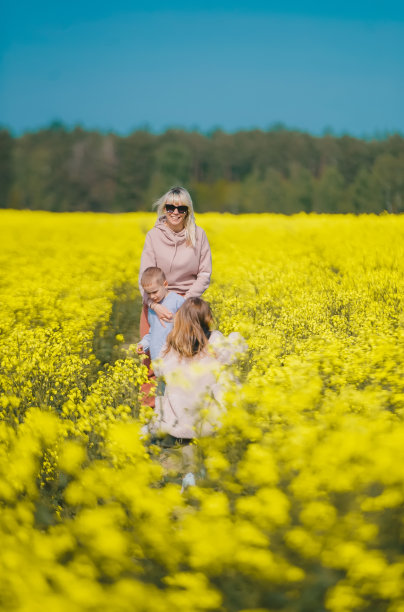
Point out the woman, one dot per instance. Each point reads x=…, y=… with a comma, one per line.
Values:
x=191, y=364
x=180, y=248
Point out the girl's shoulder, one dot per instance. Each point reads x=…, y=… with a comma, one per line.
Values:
x=215, y=336
x=227, y=348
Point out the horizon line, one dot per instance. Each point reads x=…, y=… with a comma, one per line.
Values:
x=276, y=126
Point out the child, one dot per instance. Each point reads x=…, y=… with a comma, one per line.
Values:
x=192, y=365
x=155, y=286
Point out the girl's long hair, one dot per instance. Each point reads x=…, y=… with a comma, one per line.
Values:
x=179, y=197
x=191, y=330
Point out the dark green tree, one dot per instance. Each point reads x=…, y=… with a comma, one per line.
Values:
x=388, y=173
x=277, y=170
x=362, y=196
x=6, y=167
x=330, y=191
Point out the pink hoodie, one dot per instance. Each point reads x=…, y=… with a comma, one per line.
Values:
x=187, y=269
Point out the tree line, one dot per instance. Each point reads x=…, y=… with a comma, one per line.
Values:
x=279, y=170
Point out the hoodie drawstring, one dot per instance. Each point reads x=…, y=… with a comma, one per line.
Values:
x=173, y=257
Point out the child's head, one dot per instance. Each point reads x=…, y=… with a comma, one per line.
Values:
x=192, y=323
x=154, y=283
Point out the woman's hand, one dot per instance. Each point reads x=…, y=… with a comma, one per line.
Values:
x=163, y=313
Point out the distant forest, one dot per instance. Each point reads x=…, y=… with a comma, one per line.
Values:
x=278, y=170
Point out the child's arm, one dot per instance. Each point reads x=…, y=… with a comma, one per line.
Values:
x=144, y=344
x=227, y=349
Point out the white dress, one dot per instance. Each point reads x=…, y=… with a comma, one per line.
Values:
x=193, y=398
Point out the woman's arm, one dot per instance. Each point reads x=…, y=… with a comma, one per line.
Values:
x=202, y=280
x=162, y=312
x=147, y=259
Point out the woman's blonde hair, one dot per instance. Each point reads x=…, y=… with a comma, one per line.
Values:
x=190, y=333
x=179, y=197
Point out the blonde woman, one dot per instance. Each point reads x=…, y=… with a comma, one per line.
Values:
x=180, y=248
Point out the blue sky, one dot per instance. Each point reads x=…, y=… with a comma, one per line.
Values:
x=235, y=65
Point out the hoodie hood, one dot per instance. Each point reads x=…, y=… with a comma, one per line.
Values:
x=170, y=238
x=167, y=235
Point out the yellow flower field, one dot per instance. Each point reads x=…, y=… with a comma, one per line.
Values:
x=300, y=496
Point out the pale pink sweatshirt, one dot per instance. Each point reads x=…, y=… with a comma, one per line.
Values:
x=193, y=384
x=187, y=269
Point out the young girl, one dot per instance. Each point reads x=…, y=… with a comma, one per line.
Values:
x=191, y=363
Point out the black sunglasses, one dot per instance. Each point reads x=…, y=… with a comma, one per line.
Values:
x=182, y=210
